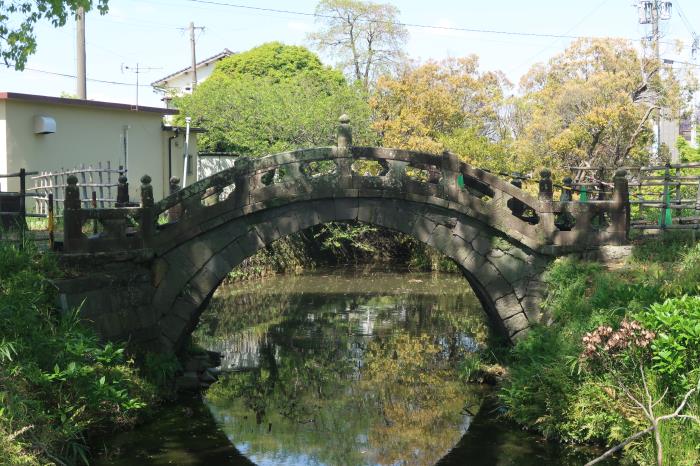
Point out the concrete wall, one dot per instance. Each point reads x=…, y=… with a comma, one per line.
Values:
x=87, y=135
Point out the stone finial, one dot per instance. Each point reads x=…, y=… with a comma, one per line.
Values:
x=545, y=185
x=620, y=173
x=146, y=192
x=174, y=184
x=122, y=192
x=517, y=179
x=344, y=131
x=72, y=193
x=567, y=191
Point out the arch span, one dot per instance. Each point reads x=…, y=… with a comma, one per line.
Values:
x=505, y=274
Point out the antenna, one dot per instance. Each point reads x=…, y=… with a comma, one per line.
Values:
x=137, y=70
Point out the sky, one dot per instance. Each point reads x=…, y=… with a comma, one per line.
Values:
x=153, y=34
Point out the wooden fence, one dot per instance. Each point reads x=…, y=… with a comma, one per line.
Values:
x=98, y=186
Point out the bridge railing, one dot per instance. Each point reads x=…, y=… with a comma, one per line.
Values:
x=345, y=170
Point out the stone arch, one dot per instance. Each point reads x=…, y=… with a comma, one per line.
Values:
x=504, y=273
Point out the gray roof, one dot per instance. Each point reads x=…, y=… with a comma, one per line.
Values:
x=214, y=58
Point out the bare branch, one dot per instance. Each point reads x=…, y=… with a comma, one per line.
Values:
x=620, y=446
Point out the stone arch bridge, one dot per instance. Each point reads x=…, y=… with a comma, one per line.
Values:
x=146, y=281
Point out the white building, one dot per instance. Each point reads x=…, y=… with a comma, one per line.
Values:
x=180, y=82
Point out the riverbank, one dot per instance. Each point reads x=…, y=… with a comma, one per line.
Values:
x=58, y=384
x=580, y=378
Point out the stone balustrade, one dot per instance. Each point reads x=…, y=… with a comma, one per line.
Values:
x=350, y=172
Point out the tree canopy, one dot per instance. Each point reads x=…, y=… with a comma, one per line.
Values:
x=365, y=37
x=274, y=98
x=592, y=103
x=445, y=105
x=278, y=62
x=18, y=18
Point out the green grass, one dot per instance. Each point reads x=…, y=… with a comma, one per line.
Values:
x=58, y=383
x=550, y=389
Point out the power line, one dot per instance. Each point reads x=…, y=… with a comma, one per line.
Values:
x=396, y=23
x=66, y=75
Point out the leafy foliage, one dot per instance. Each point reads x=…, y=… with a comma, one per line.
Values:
x=18, y=18
x=56, y=380
x=676, y=349
x=272, y=99
x=442, y=105
x=591, y=104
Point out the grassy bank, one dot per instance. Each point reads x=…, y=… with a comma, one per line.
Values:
x=58, y=384
x=641, y=325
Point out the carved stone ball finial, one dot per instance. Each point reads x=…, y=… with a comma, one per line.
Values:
x=174, y=180
x=146, y=192
x=545, y=173
x=620, y=173
x=344, y=132
x=122, y=179
x=72, y=199
x=568, y=180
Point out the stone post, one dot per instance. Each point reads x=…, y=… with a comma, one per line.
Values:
x=147, y=215
x=515, y=205
x=241, y=191
x=620, y=213
x=72, y=217
x=343, y=160
x=344, y=132
x=546, y=192
x=175, y=212
x=567, y=191
x=122, y=192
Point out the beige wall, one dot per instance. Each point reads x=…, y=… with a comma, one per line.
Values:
x=86, y=135
x=3, y=160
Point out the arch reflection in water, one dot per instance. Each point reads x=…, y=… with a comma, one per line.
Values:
x=332, y=368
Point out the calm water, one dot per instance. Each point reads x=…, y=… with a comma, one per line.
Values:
x=341, y=368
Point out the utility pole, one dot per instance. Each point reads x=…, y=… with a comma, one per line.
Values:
x=193, y=47
x=81, y=88
x=653, y=12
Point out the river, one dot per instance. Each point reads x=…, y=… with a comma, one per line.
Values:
x=341, y=367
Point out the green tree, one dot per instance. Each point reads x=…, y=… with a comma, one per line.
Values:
x=446, y=105
x=18, y=18
x=365, y=37
x=274, y=98
x=592, y=104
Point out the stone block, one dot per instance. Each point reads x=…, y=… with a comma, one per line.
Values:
x=288, y=223
x=267, y=231
x=466, y=231
x=250, y=243
x=172, y=327
x=516, y=324
x=473, y=261
x=482, y=244
x=512, y=269
x=202, y=285
x=508, y=305
x=346, y=209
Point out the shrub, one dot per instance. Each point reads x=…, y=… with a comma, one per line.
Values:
x=56, y=380
x=676, y=349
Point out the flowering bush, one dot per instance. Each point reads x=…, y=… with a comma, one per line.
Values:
x=603, y=341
